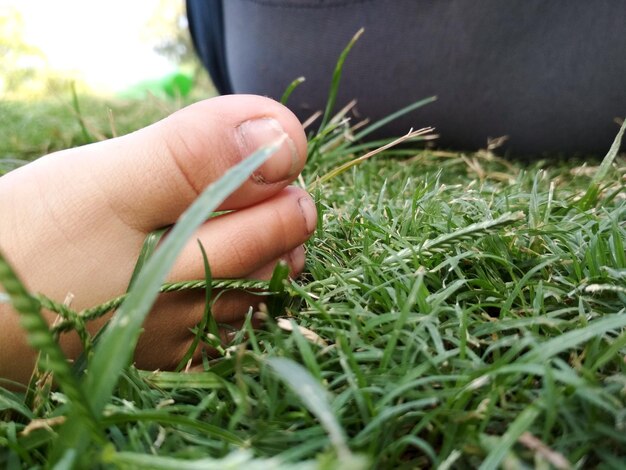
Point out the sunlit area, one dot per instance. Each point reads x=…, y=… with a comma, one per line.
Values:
x=74, y=72
x=109, y=46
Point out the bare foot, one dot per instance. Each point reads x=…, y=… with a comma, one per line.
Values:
x=74, y=221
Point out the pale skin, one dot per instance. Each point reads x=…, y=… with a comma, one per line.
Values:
x=74, y=221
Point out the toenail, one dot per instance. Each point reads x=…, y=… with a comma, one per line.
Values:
x=253, y=134
x=309, y=212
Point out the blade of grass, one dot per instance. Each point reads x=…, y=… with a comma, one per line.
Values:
x=510, y=437
x=571, y=339
x=334, y=89
x=207, y=316
x=79, y=115
x=357, y=161
x=292, y=86
x=416, y=290
x=591, y=196
x=149, y=245
x=9, y=401
x=314, y=398
x=334, y=86
x=174, y=380
x=277, y=287
x=393, y=116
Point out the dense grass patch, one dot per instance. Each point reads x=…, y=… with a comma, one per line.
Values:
x=457, y=310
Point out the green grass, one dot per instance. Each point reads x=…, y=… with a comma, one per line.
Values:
x=471, y=312
x=34, y=127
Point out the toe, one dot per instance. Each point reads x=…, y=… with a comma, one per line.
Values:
x=242, y=242
x=195, y=146
x=148, y=178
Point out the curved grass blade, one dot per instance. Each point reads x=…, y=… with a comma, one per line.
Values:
x=207, y=315
x=165, y=417
x=277, y=287
x=334, y=87
x=357, y=161
x=237, y=459
x=314, y=398
x=512, y=434
x=591, y=196
x=147, y=249
x=545, y=351
x=9, y=401
x=392, y=117
x=292, y=86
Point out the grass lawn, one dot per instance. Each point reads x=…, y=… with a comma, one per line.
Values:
x=457, y=310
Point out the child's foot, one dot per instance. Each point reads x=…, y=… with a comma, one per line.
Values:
x=75, y=221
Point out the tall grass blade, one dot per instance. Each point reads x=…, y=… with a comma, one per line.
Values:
x=332, y=94
x=236, y=459
x=591, y=196
x=207, y=316
x=334, y=86
x=357, y=161
x=79, y=115
x=393, y=116
x=314, y=398
x=512, y=434
x=147, y=249
x=292, y=86
x=608, y=160
x=571, y=339
x=149, y=245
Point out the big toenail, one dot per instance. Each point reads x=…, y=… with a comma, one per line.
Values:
x=309, y=212
x=253, y=134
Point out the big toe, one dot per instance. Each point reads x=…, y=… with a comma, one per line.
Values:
x=148, y=178
x=175, y=159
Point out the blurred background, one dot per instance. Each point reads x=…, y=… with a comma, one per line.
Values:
x=110, y=46
x=76, y=71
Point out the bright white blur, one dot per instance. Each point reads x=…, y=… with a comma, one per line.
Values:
x=99, y=41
